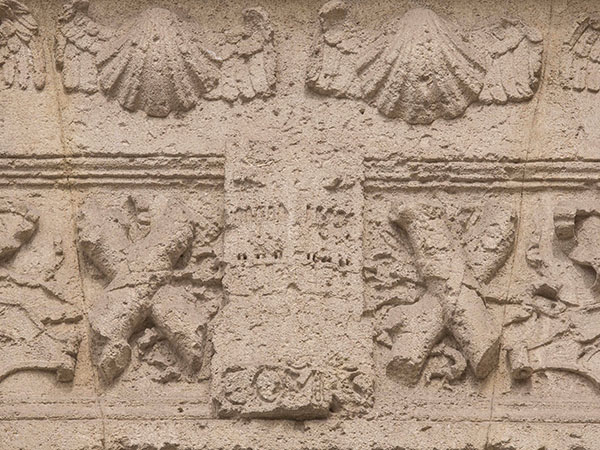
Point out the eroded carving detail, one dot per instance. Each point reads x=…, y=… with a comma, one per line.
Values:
x=264, y=242
x=270, y=390
x=154, y=279
x=294, y=390
x=22, y=62
x=554, y=324
x=325, y=233
x=157, y=62
x=424, y=69
x=448, y=307
x=33, y=311
x=581, y=57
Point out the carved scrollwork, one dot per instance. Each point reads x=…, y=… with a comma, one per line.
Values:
x=31, y=309
x=554, y=326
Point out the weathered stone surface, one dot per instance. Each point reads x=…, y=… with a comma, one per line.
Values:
x=301, y=225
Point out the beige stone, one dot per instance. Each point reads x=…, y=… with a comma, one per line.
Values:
x=301, y=225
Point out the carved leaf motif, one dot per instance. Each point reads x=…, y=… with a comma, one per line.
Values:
x=21, y=55
x=248, y=71
x=513, y=61
x=332, y=68
x=581, y=58
x=77, y=44
x=29, y=308
x=556, y=328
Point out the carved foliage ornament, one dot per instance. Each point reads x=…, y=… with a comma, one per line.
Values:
x=424, y=69
x=581, y=57
x=156, y=62
x=21, y=56
x=31, y=309
x=556, y=324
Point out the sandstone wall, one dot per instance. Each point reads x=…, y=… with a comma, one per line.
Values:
x=299, y=225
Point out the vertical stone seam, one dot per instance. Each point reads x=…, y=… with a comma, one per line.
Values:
x=528, y=148
x=54, y=80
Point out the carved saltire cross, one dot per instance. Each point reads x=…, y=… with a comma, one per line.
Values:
x=452, y=302
x=141, y=261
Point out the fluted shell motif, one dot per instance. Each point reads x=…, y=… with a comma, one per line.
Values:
x=153, y=64
x=427, y=71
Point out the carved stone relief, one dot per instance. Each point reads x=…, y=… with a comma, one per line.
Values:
x=292, y=262
x=160, y=277
x=423, y=68
x=428, y=278
x=37, y=315
x=581, y=57
x=158, y=63
x=553, y=323
x=222, y=231
x=22, y=63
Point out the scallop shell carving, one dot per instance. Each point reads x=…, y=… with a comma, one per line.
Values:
x=160, y=63
x=154, y=65
x=422, y=68
x=426, y=71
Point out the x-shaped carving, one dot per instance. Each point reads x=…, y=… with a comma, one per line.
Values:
x=451, y=303
x=140, y=289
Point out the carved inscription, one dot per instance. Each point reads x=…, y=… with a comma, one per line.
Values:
x=326, y=233
x=294, y=391
x=270, y=390
x=265, y=241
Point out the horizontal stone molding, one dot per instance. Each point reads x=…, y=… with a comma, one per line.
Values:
x=120, y=170
x=510, y=175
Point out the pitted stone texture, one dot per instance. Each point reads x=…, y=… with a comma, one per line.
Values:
x=40, y=304
x=291, y=342
x=308, y=224
x=156, y=258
